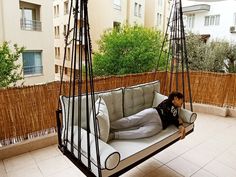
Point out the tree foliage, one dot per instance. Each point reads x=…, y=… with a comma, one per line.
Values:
x=231, y=58
x=9, y=70
x=215, y=55
x=127, y=50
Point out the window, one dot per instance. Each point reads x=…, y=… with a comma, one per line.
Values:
x=217, y=20
x=65, y=28
x=66, y=71
x=56, y=10
x=56, y=68
x=159, y=3
x=117, y=4
x=159, y=19
x=57, y=31
x=68, y=53
x=57, y=52
x=136, y=9
x=190, y=21
x=206, y=20
x=30, y=17
x=140, y=10
x=66, y=7
x=32, y=62
x=212, y=20
x=116, y=25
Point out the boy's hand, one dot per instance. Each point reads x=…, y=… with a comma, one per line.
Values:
x=182, y=131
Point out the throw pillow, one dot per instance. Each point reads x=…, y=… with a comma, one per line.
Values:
x=102, y=120
x=158, y=98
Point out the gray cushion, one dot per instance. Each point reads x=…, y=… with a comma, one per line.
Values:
x=109, y=157
x=102, y=120
x=113, y=100
x=66, y=104
x=139, y=97
x=158, y=98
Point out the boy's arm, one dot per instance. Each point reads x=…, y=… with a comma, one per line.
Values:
x=181, y=129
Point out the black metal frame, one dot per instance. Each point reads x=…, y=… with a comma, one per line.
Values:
x=87, y=172
x=177, y=50
x=80, y=42
x=78, y=32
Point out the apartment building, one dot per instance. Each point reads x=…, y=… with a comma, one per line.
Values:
x=157, y=14
x=213, y=20
x=28, y=23
x=103, y=15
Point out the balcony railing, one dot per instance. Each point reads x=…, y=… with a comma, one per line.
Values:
x=33, y=70
x=31, y=25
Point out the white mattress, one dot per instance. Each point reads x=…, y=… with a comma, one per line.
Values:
x=134, y=150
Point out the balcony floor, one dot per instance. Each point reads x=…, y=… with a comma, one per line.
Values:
x=209, y=151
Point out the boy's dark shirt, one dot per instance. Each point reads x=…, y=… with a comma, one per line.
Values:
x=168, y=113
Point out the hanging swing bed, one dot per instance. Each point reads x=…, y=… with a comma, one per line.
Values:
x=83, y=116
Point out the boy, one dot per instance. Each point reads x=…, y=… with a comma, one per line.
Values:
x=150, y=121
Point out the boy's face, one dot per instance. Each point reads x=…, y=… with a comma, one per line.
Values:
x=177, y=102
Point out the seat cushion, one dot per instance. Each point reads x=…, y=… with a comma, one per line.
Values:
x=139, y=97
x=102, y=120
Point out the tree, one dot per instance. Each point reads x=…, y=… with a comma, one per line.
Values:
x=9, y=70
x=231, y=58
x=126, y=50
x=208, y=56
x=196, y=50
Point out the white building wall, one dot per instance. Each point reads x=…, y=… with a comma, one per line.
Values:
x=226, y=10
x=136, y=19
x=31, y=40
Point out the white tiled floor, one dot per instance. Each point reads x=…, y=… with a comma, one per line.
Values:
x=210, y=151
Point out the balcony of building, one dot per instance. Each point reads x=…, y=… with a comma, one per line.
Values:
x=30, y=16
x=29, y=142
x=199, y=8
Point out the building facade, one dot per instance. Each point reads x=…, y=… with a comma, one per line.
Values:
x=28, y=23
x=103, y=15
x=216, y=20
x=157, y=14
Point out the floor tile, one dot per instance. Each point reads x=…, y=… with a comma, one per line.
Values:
x=203, y=173
x=69, y=172
x=228, y=158
x=163, y=171
x=183, y=166
x=18, y=162
x=219, y=169
x=135, y=172
x=197, y=157
x=149, y=165
x=53, y=165
x=45, y=153
x=30, y=171
x=2, y=170
x=165, y=156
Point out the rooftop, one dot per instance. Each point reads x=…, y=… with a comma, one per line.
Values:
x=208, y=151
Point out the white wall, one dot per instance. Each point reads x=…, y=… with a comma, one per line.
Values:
x=31, y=40
x=136, y=19
x=225, y=9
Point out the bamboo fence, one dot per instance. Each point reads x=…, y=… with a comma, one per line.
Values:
x=27, y=112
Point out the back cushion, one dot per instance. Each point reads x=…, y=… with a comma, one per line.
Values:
x=114, y=101
x=67, y=105
x=139, y=97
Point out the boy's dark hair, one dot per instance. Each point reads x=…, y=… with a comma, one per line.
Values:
x=174, y=94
